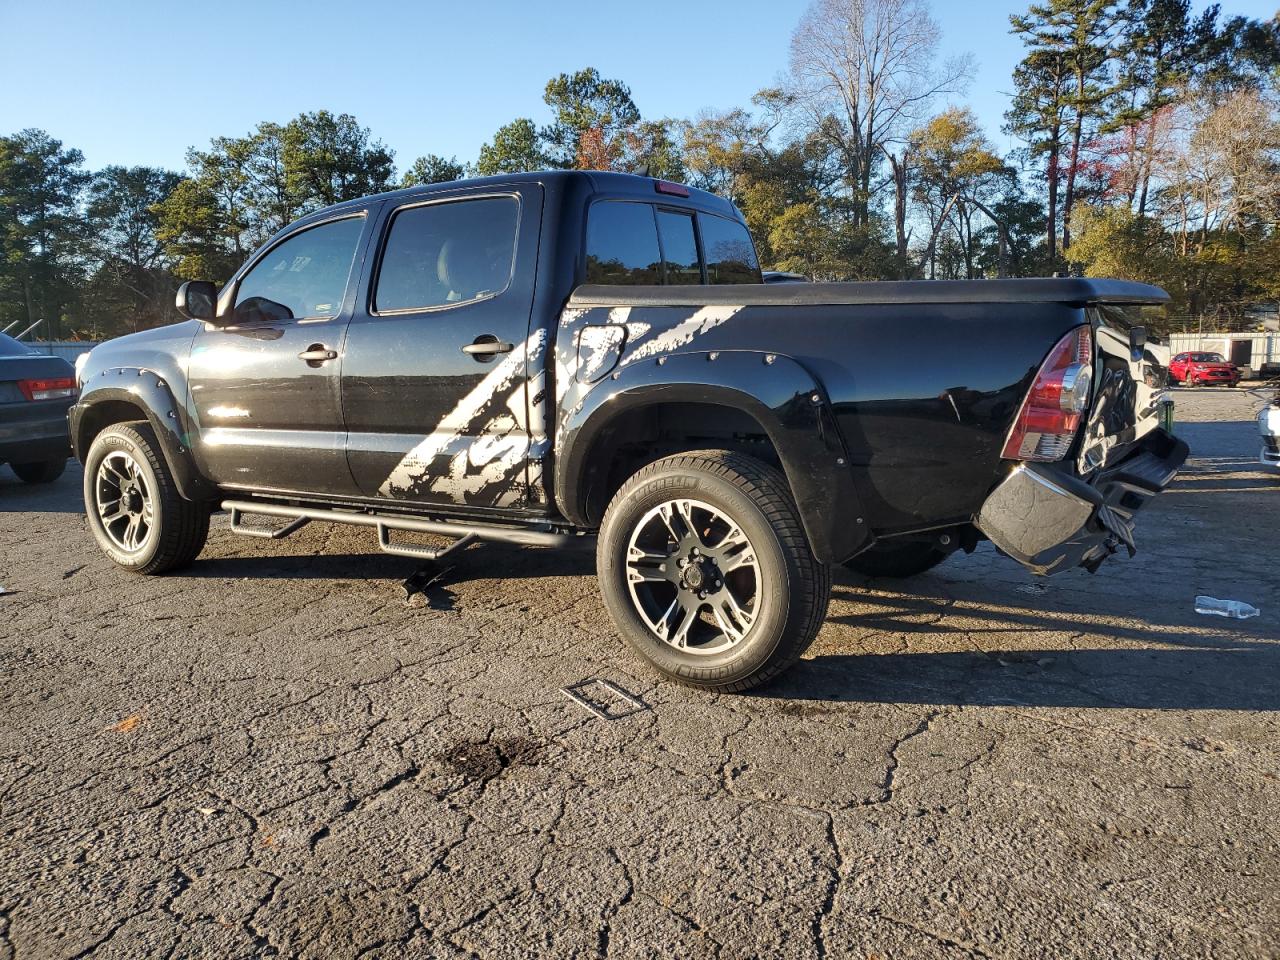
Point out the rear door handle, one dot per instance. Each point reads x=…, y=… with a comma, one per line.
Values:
x=486, y=345
x=317, y=354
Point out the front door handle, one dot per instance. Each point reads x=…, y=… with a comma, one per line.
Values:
x=317, y=354
x=486, y=346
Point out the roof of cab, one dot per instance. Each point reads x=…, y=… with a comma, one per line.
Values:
x=602, y=182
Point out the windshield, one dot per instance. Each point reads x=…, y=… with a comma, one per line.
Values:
x=10, y=347
x=1207, y=358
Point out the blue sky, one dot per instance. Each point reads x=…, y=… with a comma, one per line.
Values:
x=138, y=82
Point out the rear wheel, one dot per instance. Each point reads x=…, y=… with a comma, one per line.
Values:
x=135, y=511
x=706, y=570
x=905, y=559
x=42, y=471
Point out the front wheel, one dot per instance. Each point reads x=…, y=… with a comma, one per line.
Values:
x=135, y=511
x=706, y=570
x=43, y=471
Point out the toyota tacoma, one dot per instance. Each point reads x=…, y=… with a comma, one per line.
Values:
x=569, y=358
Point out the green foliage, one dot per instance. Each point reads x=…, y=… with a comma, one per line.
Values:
x=1152, y=152
x=1115, y=242
x=515, y=148
x=433, y=169
x=328, y=159
x=243, y=189
x=197, y=236
x=591, y=116
x=130, y=286
x=652, y=148
x=42, y=232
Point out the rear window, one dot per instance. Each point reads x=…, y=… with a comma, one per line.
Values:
x=631, y=242
x=10, y=347
x=442, y=254
x=730, y=256
x=622, y=244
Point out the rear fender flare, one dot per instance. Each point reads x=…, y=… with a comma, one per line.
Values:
x=152, y=394
x=777, y=391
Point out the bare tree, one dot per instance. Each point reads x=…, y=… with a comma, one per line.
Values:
x=864, y=72
x=1224, y=174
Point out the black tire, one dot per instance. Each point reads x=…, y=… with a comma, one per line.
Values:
x=897, y=560
x=42, y=471
x=793, y=587
x=178, y=528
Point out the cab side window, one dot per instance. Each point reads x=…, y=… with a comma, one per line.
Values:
x=622, y=244
x=730, y=255
x=303, y=277
x=679, y=248
x=441, y=254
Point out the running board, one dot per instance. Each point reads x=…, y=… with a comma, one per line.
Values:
x=464, y=533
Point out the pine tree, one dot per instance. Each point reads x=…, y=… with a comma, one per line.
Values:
x=1066, y=76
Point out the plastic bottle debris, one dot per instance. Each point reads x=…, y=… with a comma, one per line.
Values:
x=1235, y=609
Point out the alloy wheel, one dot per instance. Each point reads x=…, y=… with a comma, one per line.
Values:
x=693, y=576
x=125, y=502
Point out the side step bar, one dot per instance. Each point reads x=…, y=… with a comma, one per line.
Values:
x=464, y=533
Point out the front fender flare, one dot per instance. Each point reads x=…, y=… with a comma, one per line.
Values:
x=777, y=391
x=151, y=393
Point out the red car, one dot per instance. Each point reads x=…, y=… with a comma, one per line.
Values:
x=1194, y=369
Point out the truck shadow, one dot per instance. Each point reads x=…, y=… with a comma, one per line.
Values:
x=1239, y=677
x=978, y=611
x=480, y=561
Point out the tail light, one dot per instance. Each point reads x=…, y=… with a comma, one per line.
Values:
x=48, y=389
x=1055, y=405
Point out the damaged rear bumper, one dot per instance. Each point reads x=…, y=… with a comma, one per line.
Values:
x=1051, y=521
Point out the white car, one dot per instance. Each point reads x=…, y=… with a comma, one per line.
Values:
x=1269, y=426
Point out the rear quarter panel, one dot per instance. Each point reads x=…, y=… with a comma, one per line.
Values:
x=923, y=395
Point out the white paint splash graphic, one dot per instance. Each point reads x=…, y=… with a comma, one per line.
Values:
x=478, y=457
x=682, y=334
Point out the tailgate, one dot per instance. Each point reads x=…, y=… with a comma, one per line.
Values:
x=1130, y=385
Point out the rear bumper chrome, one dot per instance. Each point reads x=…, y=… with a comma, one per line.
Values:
x=1051, y=521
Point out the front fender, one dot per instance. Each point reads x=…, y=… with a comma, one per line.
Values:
x=150, y=392
x=780, y=394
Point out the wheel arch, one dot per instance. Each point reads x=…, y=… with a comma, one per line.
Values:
x=766, y=405
x=122, y=395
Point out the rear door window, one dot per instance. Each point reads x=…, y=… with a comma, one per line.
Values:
x=442, y=254
x=730, y=255
x=622, y=244
x=679, y=247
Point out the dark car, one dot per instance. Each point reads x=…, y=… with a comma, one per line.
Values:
x=570, y=358
x=782, y=276
x=35, y=393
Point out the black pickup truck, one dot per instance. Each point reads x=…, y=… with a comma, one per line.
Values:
x=548, y=357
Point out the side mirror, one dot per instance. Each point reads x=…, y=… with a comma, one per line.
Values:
x=198, y=300
x=1137, y=342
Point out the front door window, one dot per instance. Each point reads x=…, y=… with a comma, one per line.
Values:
x=303, y=278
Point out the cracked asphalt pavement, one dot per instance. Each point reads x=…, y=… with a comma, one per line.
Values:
x=272, y=754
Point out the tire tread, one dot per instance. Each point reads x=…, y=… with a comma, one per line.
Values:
x=767, y=487
x=184, y=524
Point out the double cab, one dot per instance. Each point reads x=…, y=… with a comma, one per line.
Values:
x=574, y=358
